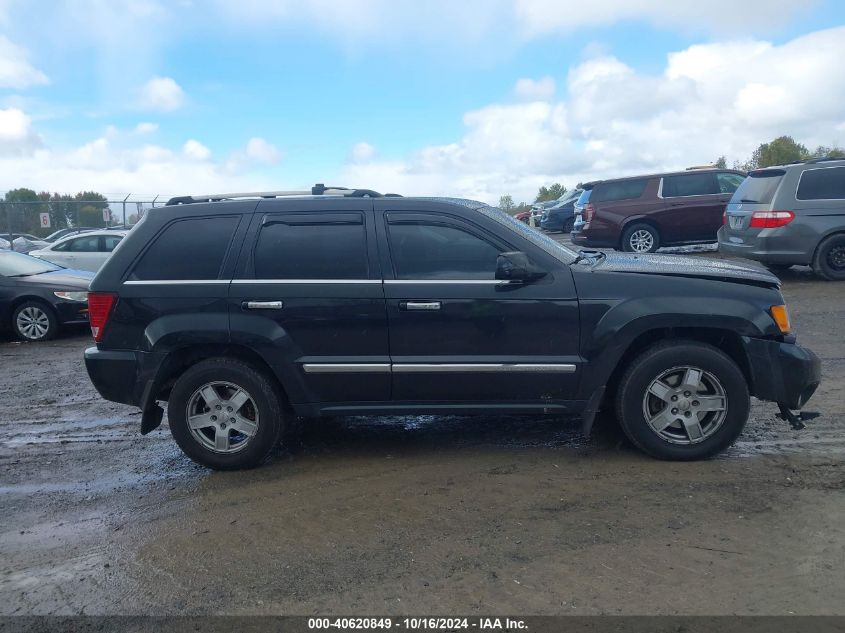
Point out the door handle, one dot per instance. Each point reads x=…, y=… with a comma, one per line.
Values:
x=262, y=305
x=419, y=305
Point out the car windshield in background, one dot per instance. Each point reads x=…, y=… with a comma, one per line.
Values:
x=584, y=198
x=20, y=265
x=554, y=249
x=759, y=187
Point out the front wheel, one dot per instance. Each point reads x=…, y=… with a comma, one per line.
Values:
x=640, y=238
x=683, y=400
x=34, y=321
x=225, y=414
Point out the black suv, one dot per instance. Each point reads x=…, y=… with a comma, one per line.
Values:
x=242, y=311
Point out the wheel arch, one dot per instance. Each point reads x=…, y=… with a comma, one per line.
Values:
x=179, y=360
x=728, y=341
x=638, y=219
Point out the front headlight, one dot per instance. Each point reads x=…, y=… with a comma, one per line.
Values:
x=72, y=296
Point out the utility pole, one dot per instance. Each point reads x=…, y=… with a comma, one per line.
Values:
x=124, y=209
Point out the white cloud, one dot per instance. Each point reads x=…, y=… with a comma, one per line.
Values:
x=196, y=150
x=17, y=137
x=146, y=128
x=541, y=89
x=709, y=100
x=162, y=94
x=539, y=17
x=259, y=150
x=15, y=69
x=363, y=152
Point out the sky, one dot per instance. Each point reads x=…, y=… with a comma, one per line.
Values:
x=472, y=98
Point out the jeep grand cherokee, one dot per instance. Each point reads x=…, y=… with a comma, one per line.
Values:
x=242, y=310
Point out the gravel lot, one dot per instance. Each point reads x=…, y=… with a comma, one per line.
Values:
x=418, y=514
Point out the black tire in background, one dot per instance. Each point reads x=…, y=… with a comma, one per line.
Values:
x=637, y=233
x=643, y=370
x=263, y=394
x=568, y=225
x=35, y=321
x=829, y=260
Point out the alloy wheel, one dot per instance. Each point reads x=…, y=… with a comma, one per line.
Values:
x=641, y=241
x=33, y=323
x=222, y=417
x=685, y=405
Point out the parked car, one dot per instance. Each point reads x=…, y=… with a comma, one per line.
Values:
x=538, y=208
x=790, y=214
x=244, y=311
x=57, y=235
x=84, y=251
x=642, y=213
x=561, y=216
x=523, y=216
x=37, y=297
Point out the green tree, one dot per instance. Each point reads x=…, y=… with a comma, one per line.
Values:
x=552, y=192
x=823, y=151
x=780, y=151
x=721, y=162
x=19, y=211
x=506, y=203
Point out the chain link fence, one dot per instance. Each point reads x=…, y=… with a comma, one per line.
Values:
x=40, y=218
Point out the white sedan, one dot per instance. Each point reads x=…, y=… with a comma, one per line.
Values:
x=86, y=251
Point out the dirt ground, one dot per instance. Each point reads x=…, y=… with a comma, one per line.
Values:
x=418, y=515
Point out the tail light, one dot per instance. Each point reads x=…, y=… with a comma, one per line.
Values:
x=100, y=306
x=589, y=210
x=771, y=219
x=724, y=218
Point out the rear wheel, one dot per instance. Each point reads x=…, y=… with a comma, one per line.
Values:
x=640, y=238
x=225, y=414
x=35, y=321
x=829, y=261
x=683, y=400
x=568, y=225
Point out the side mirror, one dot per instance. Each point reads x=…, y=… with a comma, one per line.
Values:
x=515, y=266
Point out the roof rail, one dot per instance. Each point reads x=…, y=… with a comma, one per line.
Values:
x=317, y=190
x=824, y=159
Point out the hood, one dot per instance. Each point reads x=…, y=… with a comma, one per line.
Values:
x=681, y=266
x=64, y=278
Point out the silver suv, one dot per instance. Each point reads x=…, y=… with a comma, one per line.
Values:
x=790, y=214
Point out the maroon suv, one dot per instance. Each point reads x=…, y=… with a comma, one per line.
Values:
x=643, y=213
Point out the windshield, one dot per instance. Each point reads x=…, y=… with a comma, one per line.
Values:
x=558, y=251
x=759, y=187
x=584, y=198
x=20, y=265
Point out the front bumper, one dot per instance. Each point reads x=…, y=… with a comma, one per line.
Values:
x=71, y=311
x=782, y=372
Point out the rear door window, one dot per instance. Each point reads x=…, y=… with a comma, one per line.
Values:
x=689, y=185
x=110, y=242
x=312, y=246
x=824, y=183
x=759, y=187
x=619, y=190
x=190, y=249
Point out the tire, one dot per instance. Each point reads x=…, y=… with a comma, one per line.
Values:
x=702, y=434
x=644, y=235
x=35, y=321
x=241, y=445
x=568, y=225
x=829, y=260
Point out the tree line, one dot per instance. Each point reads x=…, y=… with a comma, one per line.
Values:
x=21, y=209
x=780, y=151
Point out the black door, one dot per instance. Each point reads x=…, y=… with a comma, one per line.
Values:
x=457, y=335
x=308, y=296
